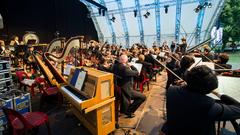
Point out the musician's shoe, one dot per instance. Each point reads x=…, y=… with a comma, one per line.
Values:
x=130, y=115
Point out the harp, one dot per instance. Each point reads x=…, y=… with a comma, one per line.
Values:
x=56, y=43
x=74, y=42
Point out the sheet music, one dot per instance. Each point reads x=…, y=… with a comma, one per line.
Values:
x=208, y=64
x=196, y=63
x=162, y=54
x=80, y=80
x=138, y=66
x=229, y=86
x=67, y=69
x=134, y=60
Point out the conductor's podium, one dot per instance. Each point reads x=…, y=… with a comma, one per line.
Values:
x=92, y=99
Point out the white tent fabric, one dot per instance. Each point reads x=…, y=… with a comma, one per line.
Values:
x=188, y=21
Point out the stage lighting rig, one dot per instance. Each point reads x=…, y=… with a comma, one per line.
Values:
x=200, y=7
x=166, y=8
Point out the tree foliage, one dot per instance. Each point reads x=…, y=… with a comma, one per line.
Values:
x=230, y=18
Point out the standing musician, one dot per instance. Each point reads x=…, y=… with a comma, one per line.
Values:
x=191, y=112
x=127, y=72
x=28, y=58
x=182, y=47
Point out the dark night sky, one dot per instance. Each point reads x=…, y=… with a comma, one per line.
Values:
x=45, y=17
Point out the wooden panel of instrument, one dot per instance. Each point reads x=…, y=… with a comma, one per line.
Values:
x=97, y=112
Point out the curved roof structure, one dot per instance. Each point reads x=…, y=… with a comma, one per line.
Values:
x=154, y=21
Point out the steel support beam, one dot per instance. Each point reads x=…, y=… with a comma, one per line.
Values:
x=96, y=4
x=199, y=23
x=99, y=32
x=124, y=23
x=158, y=23
x=139, y=18
x=109, y=23
x=178, y=19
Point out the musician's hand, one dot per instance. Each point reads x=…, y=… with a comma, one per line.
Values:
x=180, y=82
x=129, y=64
x=217, y=93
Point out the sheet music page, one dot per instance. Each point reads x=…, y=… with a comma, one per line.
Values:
x=196, y=63
x=67, y=69
x=80, y=80
x=229, y=86
x=208, y=64
x=134, y=60
x=162, y=54
x=138, y=66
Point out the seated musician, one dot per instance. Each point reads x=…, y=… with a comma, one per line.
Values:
x=28, y=59
x=191, y=112
x=222, y=61
x=185, y=64
x=182, y=47
x=207, y=55
x=146, y=65
x=2, y=47
x=127, y=72
x=172, y=65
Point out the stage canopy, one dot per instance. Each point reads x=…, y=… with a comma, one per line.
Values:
x=154, y=21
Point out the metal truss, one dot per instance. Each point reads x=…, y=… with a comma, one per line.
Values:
x=178, y=19
x=99, y=32
x=139, y=18
x=109, y=23
x=158, y=24
x=199, y=23
x=124, y=23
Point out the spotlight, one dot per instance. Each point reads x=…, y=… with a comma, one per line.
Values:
x=199, y=7
x=148, y=13
x=145, y=15
x=100, y=11
x=209, y=5
x=113, y=19
x=205, y=4
x=135, y=13
x=103, y=12
x=166, y=8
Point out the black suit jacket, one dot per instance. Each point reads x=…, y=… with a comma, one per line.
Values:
x=126, y=75
x=190, y=113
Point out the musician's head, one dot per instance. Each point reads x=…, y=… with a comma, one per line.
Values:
x=207, y=49
x=123, y=59
x=141, y=57
x=183, y=40
x=186, y=62
x=201, y=80
x=223, y=58
x=30, y=48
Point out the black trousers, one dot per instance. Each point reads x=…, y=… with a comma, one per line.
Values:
x=138, y=98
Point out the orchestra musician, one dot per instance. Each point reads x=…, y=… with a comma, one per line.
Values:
x=207, y=55
x=182, y=47
x=2, y=46
x=28, y=59
x=127, y=72
x=173, y=45
x=191, y=112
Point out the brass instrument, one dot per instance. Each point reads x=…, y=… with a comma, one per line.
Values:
x=31, y=59
x=56, y=43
